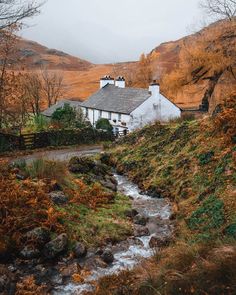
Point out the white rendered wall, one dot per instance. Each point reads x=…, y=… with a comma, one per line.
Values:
x=105, y=82
x=120, y=84
x=155, y=108
x=115, y=119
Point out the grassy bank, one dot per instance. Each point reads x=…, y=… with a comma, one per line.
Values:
x=194, y=164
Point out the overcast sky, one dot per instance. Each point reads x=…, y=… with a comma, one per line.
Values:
x=104, y=31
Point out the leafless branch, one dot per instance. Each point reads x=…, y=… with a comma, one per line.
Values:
x=220, y=8
x=15, y=11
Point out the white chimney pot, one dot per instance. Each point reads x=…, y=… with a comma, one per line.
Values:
x=106, y=80
x=120, y=82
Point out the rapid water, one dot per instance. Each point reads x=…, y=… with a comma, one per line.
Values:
x=128, y=254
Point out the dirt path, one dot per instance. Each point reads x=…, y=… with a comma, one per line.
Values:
x=60, y=155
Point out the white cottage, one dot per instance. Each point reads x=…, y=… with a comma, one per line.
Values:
x=128, y=108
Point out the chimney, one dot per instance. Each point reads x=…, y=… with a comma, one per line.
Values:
x=106, y=80
x=154, y=88
x=120, y=82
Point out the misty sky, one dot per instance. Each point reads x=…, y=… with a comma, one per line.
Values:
x=106, y=31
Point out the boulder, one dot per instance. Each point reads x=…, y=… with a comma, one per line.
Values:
x=155, y=192
x=141, y=231
x=158, y=242
x=5, y=251
x=21, y=176
x=38, y=236
x=70, y=270
x=29, y=252
x=140, y=220
x=108, y=184
x=81, y=165
x=94, y=262
x=131, y=213
x=58, y=197
x=107, y=256
x=105, y=158
x=80, y=250
x=7, y=281
x=4, y=282
x=56, y=246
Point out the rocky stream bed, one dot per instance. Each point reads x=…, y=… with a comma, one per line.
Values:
x=152, y=229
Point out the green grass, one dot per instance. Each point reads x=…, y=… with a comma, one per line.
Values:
x=94, y=227
x=209, y=215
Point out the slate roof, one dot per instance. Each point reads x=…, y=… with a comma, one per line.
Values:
x=118, y=100
x=48, y=112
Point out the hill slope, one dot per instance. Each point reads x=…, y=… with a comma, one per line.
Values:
x=191, y=53
x=167, y=60
x=194, y=165
x=33, y=55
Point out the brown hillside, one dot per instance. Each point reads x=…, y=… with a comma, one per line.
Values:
x=33, y=55
x=173, y=58
x=168, y=61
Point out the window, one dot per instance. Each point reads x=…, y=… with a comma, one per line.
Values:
x=119, y=117
x=100, y=114
x=109, y=116
x=87, y=112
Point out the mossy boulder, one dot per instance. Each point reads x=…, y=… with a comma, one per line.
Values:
x=81, y=165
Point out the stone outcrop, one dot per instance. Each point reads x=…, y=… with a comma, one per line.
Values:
x=56, y=246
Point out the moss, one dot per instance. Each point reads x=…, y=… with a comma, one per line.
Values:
x=94, y=227
x=205, y=158
x=231, y=230
x=208, y=216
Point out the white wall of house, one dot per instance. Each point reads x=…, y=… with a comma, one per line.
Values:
x=166, y=109
x=155, y=108
x=117, y=120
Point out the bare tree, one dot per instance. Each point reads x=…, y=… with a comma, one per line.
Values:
x=52, y=86
x=33, y=92
x=7, y=51
x=15, y=11
x=220, y=8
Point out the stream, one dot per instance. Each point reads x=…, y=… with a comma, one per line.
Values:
x=129, y=253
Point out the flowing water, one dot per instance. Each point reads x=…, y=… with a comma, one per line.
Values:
x=129, y=253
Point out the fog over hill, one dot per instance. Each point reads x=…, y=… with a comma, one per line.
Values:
x=97, y=31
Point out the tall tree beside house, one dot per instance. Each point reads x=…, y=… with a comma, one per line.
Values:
x=52, y=86
x=13, y=104
x=12, y=99
x=33, y=91
x=144, y=72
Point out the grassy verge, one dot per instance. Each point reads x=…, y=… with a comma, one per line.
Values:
x=194, y=165
x=95, y=227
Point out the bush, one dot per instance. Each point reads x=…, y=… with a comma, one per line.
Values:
x=104, y=124
x=41, y=123
x=69, y=117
